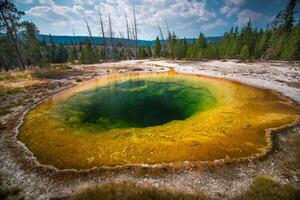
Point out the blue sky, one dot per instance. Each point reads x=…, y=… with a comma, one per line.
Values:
x=186, y=17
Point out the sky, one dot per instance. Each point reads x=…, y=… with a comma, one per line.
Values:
x=187, y=18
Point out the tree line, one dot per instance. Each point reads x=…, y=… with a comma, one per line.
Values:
x=279, y=41
x=20, y=47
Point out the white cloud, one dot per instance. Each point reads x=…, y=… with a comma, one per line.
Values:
x=228, y=10
x=46, y=2
x=217, y=23
x=38, y=11
x=25, y=1
x=147, y=13
x=231, y=7
x=237, y=2
x=256, y=17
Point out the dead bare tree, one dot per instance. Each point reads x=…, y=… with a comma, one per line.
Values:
x=168, y=29
x=3, y=65
x=89, y=30
x=121, y=41
x=160, y=31
x=102, y=27
x=111, y=37
x=74, y=37
x=135, y=30
x=168, y=47
x=164, y=49
x=128, y=37
x=126, y=46
x=103, y=34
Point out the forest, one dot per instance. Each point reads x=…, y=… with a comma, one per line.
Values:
x=20, y=47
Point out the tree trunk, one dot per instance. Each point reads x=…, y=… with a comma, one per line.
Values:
x=128, y=38
x=3, y=65
x=103, y=34
x=111, y=37
x=135, y=30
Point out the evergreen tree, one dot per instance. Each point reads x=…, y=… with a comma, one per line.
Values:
x=262, y=43
x=52, y=50
x=289, y=16
x=61, y=54
x=192, y=51
x=248, y=38
x=31, y=44
x=149, y=51
x=202, y=41
x=157, y=48
x=245, y=53
x=72, y=54
x=291, y=48
x=142, y=53
x=9, y=24
x=87, y=54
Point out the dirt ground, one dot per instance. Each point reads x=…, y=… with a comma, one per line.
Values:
x=19, y=168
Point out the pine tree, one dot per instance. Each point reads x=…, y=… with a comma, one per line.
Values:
x=192, y=51
x=149, y=51
x=61, y=54
x=72, y=54
x=202, y=41
x=87, y=54
x=291, y=48
x=289, y=16
x=10, y=21
x=262, y=43
x=245, y=53
x=31, y=44
x=157, y=48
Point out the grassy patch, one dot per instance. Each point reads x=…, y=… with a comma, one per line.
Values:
x=2, y=126
x=294, y=162
x=10, y=90
x=15, y=76
x=10, y=194
x=52, y=72
x=4, y=111
x=264, y=188
x=126, y=191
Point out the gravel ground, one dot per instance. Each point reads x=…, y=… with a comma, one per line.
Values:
x=18, y=167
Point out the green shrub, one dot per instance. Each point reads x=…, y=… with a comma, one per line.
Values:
x=264, y=188
x=10, y=194
x=10, y=90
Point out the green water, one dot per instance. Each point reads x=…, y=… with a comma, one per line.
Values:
x=134, y=103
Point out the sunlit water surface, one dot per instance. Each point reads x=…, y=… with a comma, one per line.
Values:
x=152, y=118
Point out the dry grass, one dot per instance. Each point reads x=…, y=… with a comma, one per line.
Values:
x=15, y=76
x=294, y=161
x=127, y=191
x=264, y=188
x=52, y=72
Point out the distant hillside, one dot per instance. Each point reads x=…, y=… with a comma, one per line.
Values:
x=69, y=40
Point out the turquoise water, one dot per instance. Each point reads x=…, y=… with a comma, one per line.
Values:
x=134, y=103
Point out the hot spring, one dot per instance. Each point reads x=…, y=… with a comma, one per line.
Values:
x=153, y=119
